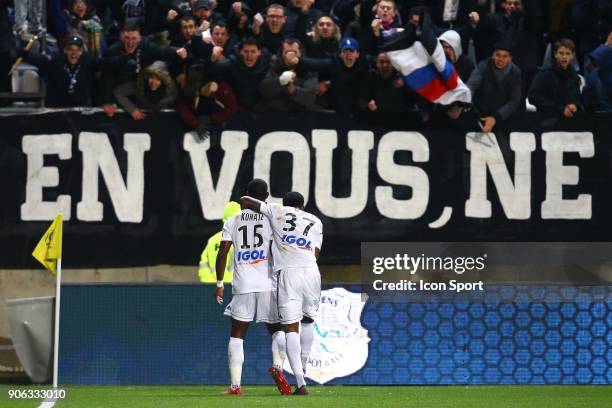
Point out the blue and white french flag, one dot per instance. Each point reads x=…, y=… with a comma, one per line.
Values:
x=422, y=63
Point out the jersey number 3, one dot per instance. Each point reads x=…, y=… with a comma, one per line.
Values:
x=290, y=221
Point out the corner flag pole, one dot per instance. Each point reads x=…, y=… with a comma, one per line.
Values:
x=48, y=252
x=58, y=286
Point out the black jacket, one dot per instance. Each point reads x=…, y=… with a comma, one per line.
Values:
x=345, y=82
x=554, y=88
x=58, y=77
x=146, y=54
x=243, y=80
x=388, y=97
x=490, y=96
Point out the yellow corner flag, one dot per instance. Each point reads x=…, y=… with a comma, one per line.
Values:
x=49, y=248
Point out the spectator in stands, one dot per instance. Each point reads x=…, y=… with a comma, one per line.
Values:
x=347, y=72
x=556, y=89
x=84, y=23
x=301, y=9
x=138, y=54
x=384, y=91
x=239, y=19
x=271, y=29
x=286, y=88
x=451, y=43
x=220, y=37
x=28, y=18
x=597, y=92
x=203, y=11
x=591, y=23
x=451, y=14
x=186, y=32
x=496, y=88
x=204, y=104
x=385, y=19
x=154, y=90
x=520, y=24
x=134, y=12
x=323, y=41
x=244, y=72
x=197, y=48
x=70, y=75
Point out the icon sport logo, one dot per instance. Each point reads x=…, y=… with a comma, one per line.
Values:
x=341, y=344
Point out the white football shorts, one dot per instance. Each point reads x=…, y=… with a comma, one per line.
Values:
x=244, y=307
x=299, y=293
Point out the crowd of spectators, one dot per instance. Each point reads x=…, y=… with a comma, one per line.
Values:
x=210, y=59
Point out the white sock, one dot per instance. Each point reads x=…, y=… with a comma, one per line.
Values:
x=235, y=354
x=293, y=353
x=307, y=335
x=279, y=349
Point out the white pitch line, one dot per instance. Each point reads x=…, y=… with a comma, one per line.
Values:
x=48, y=403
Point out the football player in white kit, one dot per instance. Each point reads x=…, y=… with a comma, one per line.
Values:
x=298, y=236
x=253, y=288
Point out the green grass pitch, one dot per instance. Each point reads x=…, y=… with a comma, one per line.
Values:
x=328, y=396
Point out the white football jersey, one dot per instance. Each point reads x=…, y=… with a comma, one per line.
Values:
x=250, y=233
x=296, y=235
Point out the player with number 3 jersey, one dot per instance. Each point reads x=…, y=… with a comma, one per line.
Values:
x=298, y=236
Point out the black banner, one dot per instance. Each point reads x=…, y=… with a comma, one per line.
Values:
x=148, y=192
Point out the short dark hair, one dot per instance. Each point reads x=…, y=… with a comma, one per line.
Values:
x=219, y=23
x=257, y=188
x=564, y=42
x=250, y=41
x=130, y=27
x=293, y=199
x=291, y=41
x=187, y=17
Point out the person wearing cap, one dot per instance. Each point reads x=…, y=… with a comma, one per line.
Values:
x=347, y=71
x=208, y=258
x=520, y=24
x=496, y=87
x=203, y=11
x=70, y=75
x=84, y=23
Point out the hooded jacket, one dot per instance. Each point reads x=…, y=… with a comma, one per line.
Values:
x=168, y=89
x=463, y=65
x=597, y=92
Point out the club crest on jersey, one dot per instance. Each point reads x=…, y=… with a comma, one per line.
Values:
x=340, y=347
x=252, y=257
x=299, y=242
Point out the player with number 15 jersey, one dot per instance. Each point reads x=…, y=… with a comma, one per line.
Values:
x=298, y=236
